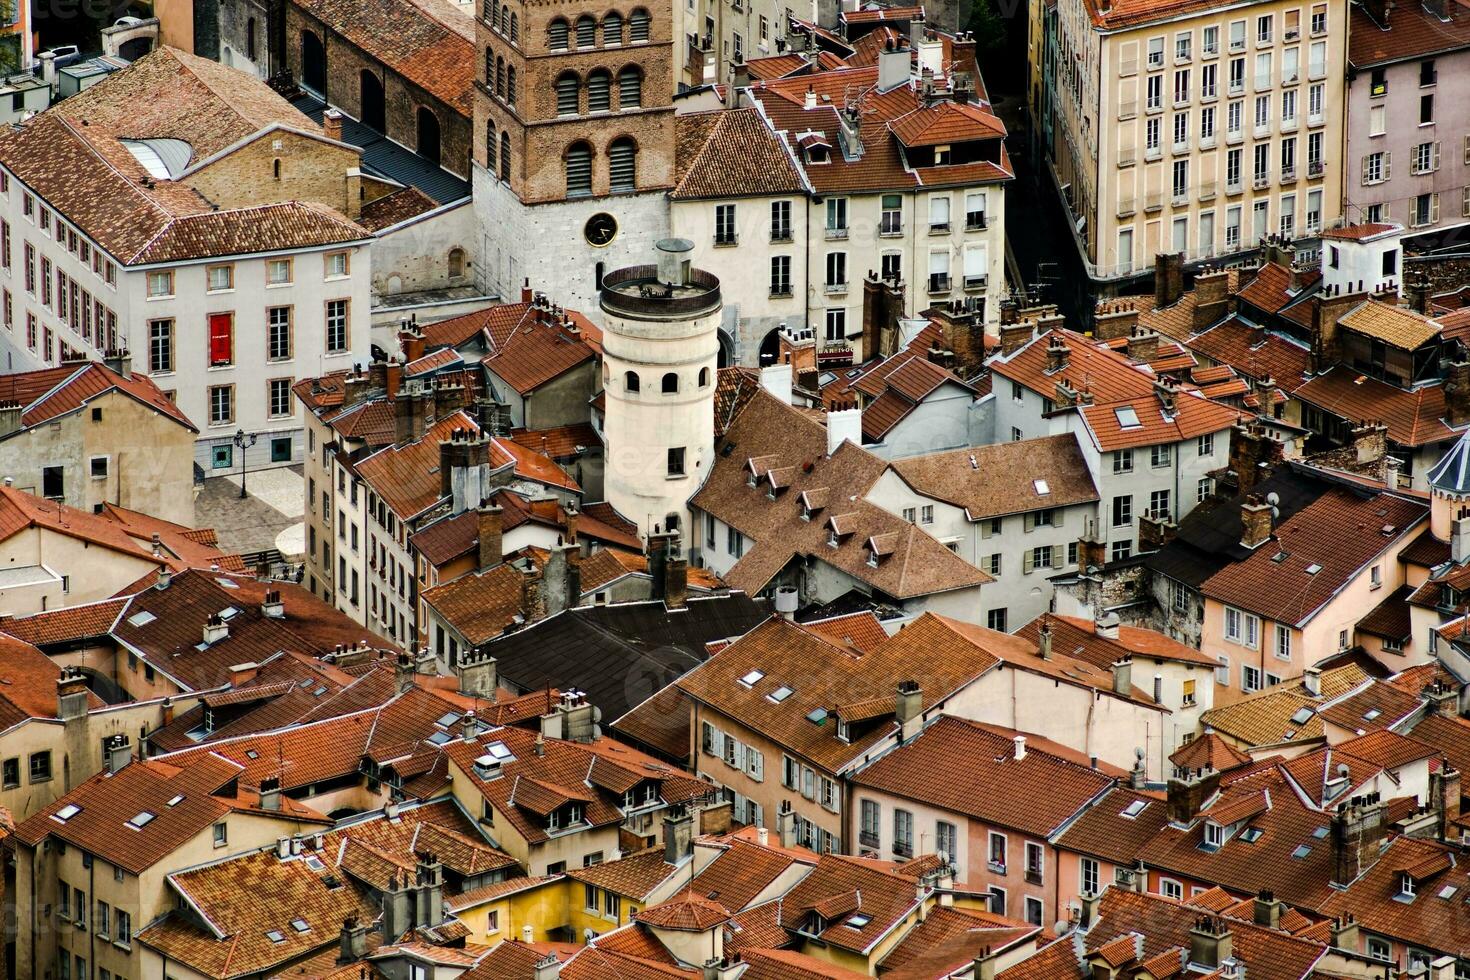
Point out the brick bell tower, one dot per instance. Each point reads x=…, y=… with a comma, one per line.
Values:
x=574, y=141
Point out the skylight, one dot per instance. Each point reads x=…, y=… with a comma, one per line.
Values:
x=858, y=921
x=750, y=679
x=229, y=612
x=141, y=820
x=445, y=720
x=1042, y=488
x=66, y=812
x=439, y=738
x=780, y=694
x=1251, y=834
x=1302, y=716
x=1134, y=809
x=275, y=936
x=315, y=863
x=1371, y=713
x=817, y=715
x=1127, y=417
x=1448, y=891
x=1313, y=568
x=499, y=752
x=142, y=618
x=1320, y=833
x=164, y=159
x=252, y=754
x=1302, y=850
x=300, y=925
x=176, y=801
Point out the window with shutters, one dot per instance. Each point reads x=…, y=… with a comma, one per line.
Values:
x=558, y=34
x=586, y=32
x=510, y=84
x=1425, y=157
x=490, y=143
x=622, y=164
x=505, y=155
x=599, y=90
x=1376, y=167
x=500, y=77
x=579, y=169
x=638, y=25
x=630, y=88
x=567, y=87
x=612, y=28
x=221, y=339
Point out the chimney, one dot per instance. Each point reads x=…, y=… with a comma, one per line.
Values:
x=909, y=710
x=563, y=578
x=844, y=425
x=48, y=69
x=1268, y=910
x=10, y=420
x=1255, y=522
x=1168, y=279
x=1210, y=942
x=1457, y=393
x=533, y=606
x=1345, y=933
x=1185, y=796
x=488, y=518
x=1444, y=790
x=119, y=753
x=397, y=908
x=270, y=794
x=893, y=66
x=332, y=124
x=1417, y=287
x=1211, y=298
x=1123, y=677
x=478, y=676
x=1358, y=828
x=273, y=607
x=1057, y=354
x=429, y=883
x=409, y=413
x=215, y=629
x=1370, y=442
x=810, y=101
x=352, y=941
x=776, y=379
x=1113, y=320
x=1015, y=336
x=1020, y=741
x=546, y=968
x=242, y=674
x=1106, y=626
x=678, y=835
x=1143, y=344
x=1043, y=641
x=411, y=341
x=786, y=824
x=1312, y=681
x=403, y=671
x=762, y=837
x=676, y=582
x=660, y=545
x=739, y=79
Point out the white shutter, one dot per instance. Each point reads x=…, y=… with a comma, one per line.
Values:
x=985, y=524
x=938, y=263
x=1433, y=208
x=1028, y=561
x=1363, y=175
x=1056, y=517
x=739, y=754
x=808, y=783
x=1435, y=165
x=1387, y=164
x=758, y=814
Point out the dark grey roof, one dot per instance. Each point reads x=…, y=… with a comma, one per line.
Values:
x=1209, y=536
x=621, y=654
x=1452, y=473
x=384, y=158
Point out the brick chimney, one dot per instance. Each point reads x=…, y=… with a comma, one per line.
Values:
x=1211, y=298
x=1255, y=522
x=1015, y=336
x=1168, y=279
x=489, y=534
x=1457, y=393
x=1143, y=344
x=1057, y=354
x=332, y=124
x=676, y=583
x=1113, y=320
x=409, y=414
x=533, y=605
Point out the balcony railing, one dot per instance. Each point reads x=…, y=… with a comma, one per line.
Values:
x=1261, y=181
x=939, y=227
x=1288, y=173
x=868, y=838
x=1316, y=168
x=1127, y=156
x=836, y=234
x=834, y=287
x=890, y=226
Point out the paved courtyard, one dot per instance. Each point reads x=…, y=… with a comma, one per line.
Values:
x=270, y=516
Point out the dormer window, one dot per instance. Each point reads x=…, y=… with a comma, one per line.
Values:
x=817, y=154
x=942, y=154
x=872, y=557
x=832, y=541
x=806, y=512
x=1214, y=834
x=1406, y=886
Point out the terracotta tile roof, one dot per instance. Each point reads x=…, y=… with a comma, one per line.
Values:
x=788, y=964
x=1104, y=830
x=823, y=676
x=109, y=801
x=537, y=351
x=1414, y=418
x=860, y=631
x=919, y=564
x=875, y=15
x=1254, y=353
x=1360, y=232
x=1390, y=618
x=973, y=478
x=399, y=206
x=498, y=890
x=407, y=476
x=51, y=393
x=1326, y=545
x=743, y=871
x=876, y=889
x=1208, y=752
x=732, y=153
x=1116, y=385
x=429, y=363
x=687, y=912
x=482, y=605
x=633, y=876
x=1270, y=290
x=1374, y=705
x=1429, y=920
x=429, y=43
x=1057, y=961
x=958, y=766
x=1078, y=638
x=563, y=767
x=949, y=938
x=89, y=621
x=946, y=122
x=1394, y=325
x=1449, y=735
x=560, y=442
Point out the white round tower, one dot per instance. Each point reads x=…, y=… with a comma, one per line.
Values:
x=660, y=356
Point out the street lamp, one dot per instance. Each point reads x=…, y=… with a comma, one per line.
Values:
x=242, y=442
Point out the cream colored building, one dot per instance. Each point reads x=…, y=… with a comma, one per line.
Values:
x=1196, y=129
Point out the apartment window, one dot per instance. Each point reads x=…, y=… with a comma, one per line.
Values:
x=1158, y=504
x=278, y=397
x=337, y=325
x=40, y=766
x=1154, y=93
x=52, y=482
x=1237, y=76
x=1264, y=29
x=1122, y=550
x=1242, y=628
x=997, y=900
x=1425, y=157
x=725, y=224
x=1210, y=41
x=1203, y=489
x=1208, y=85
x=1156, y=52
x=780, y=275
x=945, y=838
x=1088, y=879
x=278, y=272
x=278, y=333
x=1122, y=510
x=1283, y=642
x=1182, y=46
x=837, y=216
x=1250, y=678
x=676, y=461
x=160, y=346
x=836, y=269
x=1205, y=445
x=780, y=221
x=1181, y=86
x=1424, y=210
x=869, y=829
x=996, y=619
x=1123, y=461
x=836, y=324
x=939, y=212
x=220, y=277
x=903, y=833
x=891, y=217
x=1151, y=138
x=337, y=264
x=1426, y=109
x=975, y=206
x=221, y=404
x=1319, y=19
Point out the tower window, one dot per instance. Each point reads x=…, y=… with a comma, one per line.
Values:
x=586, y=32
x=567, y=85
x=579, y=169
x=630, y=381
x=623, y=164
x=630, y=88
x=704, y=377
x=671, y=383
x=638, y=25
x=676, y=461
x=599, y=90
x=612, y=28
x=557, y=34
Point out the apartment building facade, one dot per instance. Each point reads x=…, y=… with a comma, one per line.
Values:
x=1178, y=128
x=1408, y=159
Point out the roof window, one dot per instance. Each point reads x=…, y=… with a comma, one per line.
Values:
x=1127, y=417
x=300, y=925
x=1042, y=488
x=817, y=716
x=66, y=812
x=1302, y=716
x=1134, y=808
x=275, y=936
x=1302, y=850
x=1313, y=568
x=142, y=618
x=141, y=820
x=858, y=921
x=780, y=694
x=1371, y=713
x=176, y=801
x=750, y=679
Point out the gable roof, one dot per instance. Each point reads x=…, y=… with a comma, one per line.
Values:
x=731, y=153
x=51, y=393
x=983, y=480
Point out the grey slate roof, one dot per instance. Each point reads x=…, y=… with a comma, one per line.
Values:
x=1452, y=473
